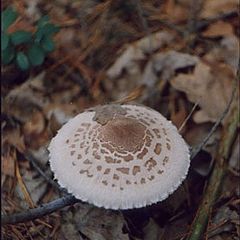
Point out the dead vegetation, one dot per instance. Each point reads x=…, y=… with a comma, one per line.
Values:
x=178, y=57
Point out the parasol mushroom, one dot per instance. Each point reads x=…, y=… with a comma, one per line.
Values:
x=119, y=156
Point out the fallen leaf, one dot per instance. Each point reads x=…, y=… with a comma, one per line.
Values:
x=99, y=223
x=158, y=69
x=210, y=86
x=175, y=10
x=58, y=114
x=218, y=29
x=165, y=64
x=212, y=8
x=69, y=231
x=136, y=51
x=61, y=112
x=8, y=163
x=35, y=124
x=227, y=51
x=39, y=140
x=15, y=138
x=126, y=73
x=25, y=99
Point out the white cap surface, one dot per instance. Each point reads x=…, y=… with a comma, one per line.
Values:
x=119, y=156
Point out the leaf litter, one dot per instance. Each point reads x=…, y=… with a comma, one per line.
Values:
x=104, y=54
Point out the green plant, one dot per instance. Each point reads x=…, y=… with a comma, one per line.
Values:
x=23, y=48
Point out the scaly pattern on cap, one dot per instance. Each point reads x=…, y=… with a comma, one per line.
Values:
x=119, y=156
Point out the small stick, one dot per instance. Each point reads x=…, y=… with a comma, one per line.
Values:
x=187, y=118
x=32, y=160
x=40, y=211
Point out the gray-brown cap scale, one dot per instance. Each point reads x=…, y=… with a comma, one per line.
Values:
x=119, y=156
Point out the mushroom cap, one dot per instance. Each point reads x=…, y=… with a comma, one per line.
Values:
x=119, y=156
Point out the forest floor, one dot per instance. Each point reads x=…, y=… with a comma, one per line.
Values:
x=178, y=57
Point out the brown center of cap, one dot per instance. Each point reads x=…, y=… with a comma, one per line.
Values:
x=123, y=132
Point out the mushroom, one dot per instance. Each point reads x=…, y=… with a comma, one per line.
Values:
x=119, y=156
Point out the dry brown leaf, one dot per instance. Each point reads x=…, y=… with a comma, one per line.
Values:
x=59, y=114
x=166, y=64
x=227, y=52
x=212, y=8
x=8, y=163
x=210, y=86
x=15, y=138
x=35, y=128
x=39, y=139
x=136, y=51
x=69, y=231
x=160, y=67
x=65, y=37
x=35, y=124
x=61, y=111
x=217, y=29
x=175, y=10
x=126, y=73
x=98, y=223
x=24, y=99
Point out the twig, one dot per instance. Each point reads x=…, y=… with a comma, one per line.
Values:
x=32, y=160
x=187, y=118
x=38, y=212
x=216, y=179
